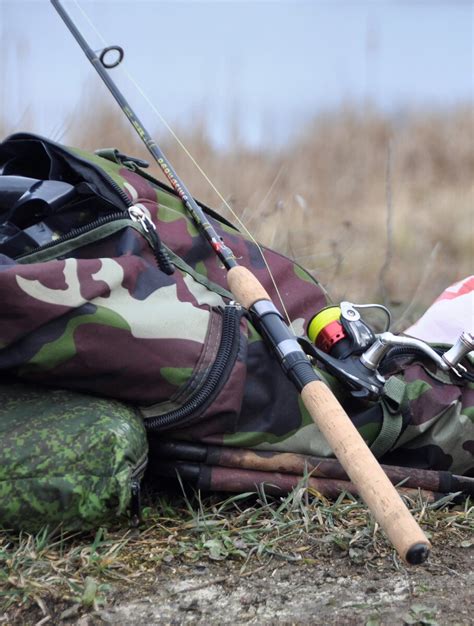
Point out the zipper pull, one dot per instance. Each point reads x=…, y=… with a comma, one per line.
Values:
x=137, y=214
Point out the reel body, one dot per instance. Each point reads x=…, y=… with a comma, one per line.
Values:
x=351, y=351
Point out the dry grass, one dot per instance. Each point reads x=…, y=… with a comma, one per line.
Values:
x=51, y=578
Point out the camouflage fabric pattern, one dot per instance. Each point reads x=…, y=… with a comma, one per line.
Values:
x=112, y=326
x=104, y=319
x=438, y=425
x=66, y=458
x=437, y=422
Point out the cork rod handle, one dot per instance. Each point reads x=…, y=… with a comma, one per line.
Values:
x=358, y=461
x=365, y=472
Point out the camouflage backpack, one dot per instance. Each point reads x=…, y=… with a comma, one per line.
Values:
x=91, y=305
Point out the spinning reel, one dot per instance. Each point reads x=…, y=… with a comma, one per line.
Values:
x=351, y=351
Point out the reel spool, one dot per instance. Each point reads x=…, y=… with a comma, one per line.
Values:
x=327, y=333
x=340, y=331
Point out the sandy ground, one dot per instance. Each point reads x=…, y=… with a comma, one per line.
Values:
x=334, y=591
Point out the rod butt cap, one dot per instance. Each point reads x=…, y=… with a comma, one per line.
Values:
x=418, y=553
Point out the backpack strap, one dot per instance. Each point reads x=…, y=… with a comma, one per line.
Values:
x=394, y=394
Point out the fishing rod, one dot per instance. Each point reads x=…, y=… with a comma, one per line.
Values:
x=243, y=480
x=347, y=444
x=301, y=464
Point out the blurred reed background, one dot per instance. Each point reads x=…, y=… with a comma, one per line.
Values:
x=378, y=207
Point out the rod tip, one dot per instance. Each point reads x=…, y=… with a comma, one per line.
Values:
x=418, y=553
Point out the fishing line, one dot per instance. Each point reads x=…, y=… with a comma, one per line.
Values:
x=263, y=202
x=195, y=163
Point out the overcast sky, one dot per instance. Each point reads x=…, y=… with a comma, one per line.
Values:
x=273, y=64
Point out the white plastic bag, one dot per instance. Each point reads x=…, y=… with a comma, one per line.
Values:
x=450, y=315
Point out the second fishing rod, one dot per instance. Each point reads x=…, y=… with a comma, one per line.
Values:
x=347, y=444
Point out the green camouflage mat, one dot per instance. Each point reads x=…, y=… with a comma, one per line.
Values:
x=67, y=458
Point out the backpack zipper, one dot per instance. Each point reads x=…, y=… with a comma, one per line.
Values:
x=226, y=354
x=135, y=215
x=75, y=232
x=138, y=215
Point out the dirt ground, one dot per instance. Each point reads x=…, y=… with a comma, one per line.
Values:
x=332, y=591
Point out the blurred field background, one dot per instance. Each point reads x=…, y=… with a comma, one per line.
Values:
x=378, y=208
x=375, y=200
